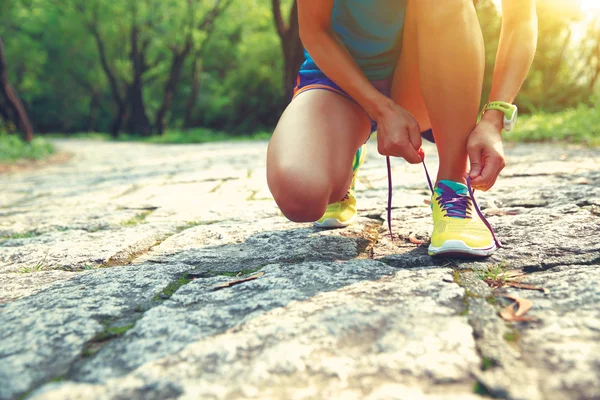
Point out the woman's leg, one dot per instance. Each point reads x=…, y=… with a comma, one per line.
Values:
x=440, y=74
x=309, y=160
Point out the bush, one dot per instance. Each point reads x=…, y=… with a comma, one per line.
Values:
x=12, y=148
x=575, y=125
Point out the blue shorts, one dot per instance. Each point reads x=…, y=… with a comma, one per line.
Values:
x=305, y=83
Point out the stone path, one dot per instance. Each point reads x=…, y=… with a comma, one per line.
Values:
x=110, y=267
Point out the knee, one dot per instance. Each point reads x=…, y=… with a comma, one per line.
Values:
x=300, y=198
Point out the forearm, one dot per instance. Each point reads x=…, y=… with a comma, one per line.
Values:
x=516, y=49
x=335, y=61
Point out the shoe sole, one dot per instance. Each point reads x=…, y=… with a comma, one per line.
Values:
x=458, y=248
x=333, y=223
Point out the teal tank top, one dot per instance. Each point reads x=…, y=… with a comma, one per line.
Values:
x=371, y=30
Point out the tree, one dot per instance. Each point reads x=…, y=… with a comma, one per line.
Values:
x=293, y=52
x=20, y=117
x=179, y=55
x=148, y=51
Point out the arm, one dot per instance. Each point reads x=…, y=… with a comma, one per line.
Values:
x=518, y=40
x=516, y=49
x=399, y=131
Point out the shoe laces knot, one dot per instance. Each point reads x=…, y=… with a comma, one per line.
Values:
x=453, y=203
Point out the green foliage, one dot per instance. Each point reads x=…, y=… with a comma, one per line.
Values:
x=12, y=148
x=575, y=125
x=55, y=64
x=566, y=67
x=197, y=135
x=239, y=64
x=194, y=136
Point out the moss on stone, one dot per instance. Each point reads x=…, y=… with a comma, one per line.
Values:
x=172, y=287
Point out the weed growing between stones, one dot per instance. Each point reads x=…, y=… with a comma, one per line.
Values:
x=492, y=300
x=23, y=235
x=102, y=338
x=456, y=277
x=488, y=363
x=480, y=389
x=513, y=336
x=369, y=238
x=38, y=267
x=136, y=219
x=172, y=287
x=494, y=275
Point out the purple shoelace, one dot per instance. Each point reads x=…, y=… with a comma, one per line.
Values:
x=459, y=204
x=455, y=205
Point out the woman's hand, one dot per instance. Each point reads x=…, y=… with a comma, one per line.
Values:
x=398, y=133
x=486, y=152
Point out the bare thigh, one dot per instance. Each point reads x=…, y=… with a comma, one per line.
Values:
x=309, y=160
x=406, y=90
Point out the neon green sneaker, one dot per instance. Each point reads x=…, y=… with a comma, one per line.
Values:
x=343, y=213
x=458, y=227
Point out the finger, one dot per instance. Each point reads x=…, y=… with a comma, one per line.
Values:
x=414, y=135
x=411, y=155
x=489, y=174
x=398, y=146
x=381, y=148
x=408, y=152
x=475, y=160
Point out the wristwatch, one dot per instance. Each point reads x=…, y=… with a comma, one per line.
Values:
x=510, y=113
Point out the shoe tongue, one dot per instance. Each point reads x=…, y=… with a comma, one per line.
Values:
x=457, y=187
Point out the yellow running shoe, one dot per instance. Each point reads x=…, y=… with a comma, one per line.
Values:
x=458, y=227
x=343, y=213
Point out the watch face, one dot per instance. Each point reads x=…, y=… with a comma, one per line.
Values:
x=509, y=124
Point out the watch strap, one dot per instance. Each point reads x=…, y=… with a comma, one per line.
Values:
x=509, y=110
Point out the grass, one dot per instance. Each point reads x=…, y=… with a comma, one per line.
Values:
x=195, y=136
x=101, y=338
x=579, y=125
x=13, y=148
x=512, y=337
x=488, y=363
x=136, y=219
x=494, y=275
x=37, y=268
x=576, y=125
x=198, y=135
x=173, y=287
x=24, y=235
x=481, y=390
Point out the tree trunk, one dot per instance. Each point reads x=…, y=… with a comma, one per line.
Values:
x=293, y=52
x=193, y=97
x=171, y=86
x=93, y=115
x=117, y=122
x=4, y=113
x=14, y=103
x=179, y=56
x=138, y=122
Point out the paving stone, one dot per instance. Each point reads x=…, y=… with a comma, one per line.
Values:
x=337, y=314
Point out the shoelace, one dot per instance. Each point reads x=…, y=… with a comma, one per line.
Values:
x=456, y=205
x=471, y=195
